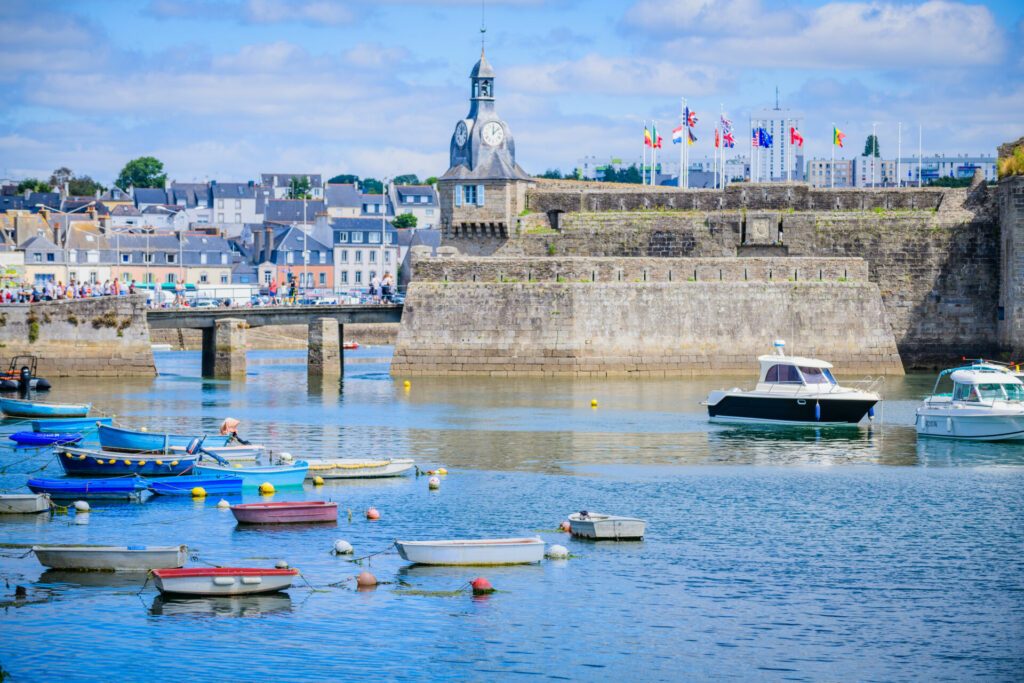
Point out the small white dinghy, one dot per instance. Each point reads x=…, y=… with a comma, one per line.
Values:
x=354, y=468
x=606, y=527
x=223, y=580
x=473, y=551
x=24, y=503
x=110, y=557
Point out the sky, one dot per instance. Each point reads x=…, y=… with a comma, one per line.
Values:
x=229, y=89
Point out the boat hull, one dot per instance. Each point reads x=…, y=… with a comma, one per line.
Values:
x=132, y=440
x=349, y=469
x=13, y=407
x=183, y=486
x=24, y=503
x=280, y=476
x=69, y=424
x=223, y=581
x=81, y=462
x=285, y=513
x=111, y=558
x=44, y=438
x=473, y=552
x=607, y=527
x=789, y=410
x=233, y=453
x=970, y=427
x=91, y=489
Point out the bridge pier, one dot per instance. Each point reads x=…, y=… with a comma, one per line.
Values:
x=224, y=348
x=325, y=354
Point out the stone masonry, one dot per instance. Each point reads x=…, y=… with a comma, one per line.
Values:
x=1011, y=289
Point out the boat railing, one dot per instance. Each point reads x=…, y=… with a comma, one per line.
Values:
x=867, y=384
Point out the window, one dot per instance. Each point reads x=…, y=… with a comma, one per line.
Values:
x=203, y=257
x=344, y=255
x=220, y=217
x=223, y=279
x=50, y=257
x=126, y=258
x=149, y=277
x=374, y=238
x=469, y=194
x=126, y=277
x=373, y=257
x=290, y=258
x=37, y=257
x=323, y=258
x=92, y=256
x=391, y=238
x=341, y=237
x=147, y=258
x=203, y=278
x=220, y=205
x=387, y=257
x=430, y=212
x=238, y=218
x=172, y=258
x=223, y=259
x=357, y=237
x=373, y=274
x=344, y=277
x=359, y=277
x=238, y=203
x=266, y=277
x=815, y=375
x=782, y=374
x=359, y=255
x=73, y=275
x=323, y=278
x=171, y=278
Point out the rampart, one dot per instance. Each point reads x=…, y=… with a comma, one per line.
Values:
x=100, y=337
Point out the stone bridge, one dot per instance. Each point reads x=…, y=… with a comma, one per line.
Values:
x=224, y=331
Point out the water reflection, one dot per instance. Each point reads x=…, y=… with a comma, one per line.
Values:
x=240, y=606
x=92, y=579
x=935, y=452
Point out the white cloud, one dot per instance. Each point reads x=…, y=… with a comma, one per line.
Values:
x=598, y=74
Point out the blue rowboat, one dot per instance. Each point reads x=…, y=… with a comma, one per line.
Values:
x=182, y=486
x=121, y=439
x=44, y=438
x=85, y=462
x=123, y=488
x=16, y=407
x=280, y=476
x=69, y=424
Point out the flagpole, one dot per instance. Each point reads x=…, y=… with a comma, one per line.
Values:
x=684, y=172
x=832, y=173
x=874, y=152
x=643, y=157
x=720, y=180
x=920, y=158
x=750, y=139
x=899, y=153
x=654, y=153
x=682, y=141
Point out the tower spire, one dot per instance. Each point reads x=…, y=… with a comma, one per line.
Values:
x=483, y=25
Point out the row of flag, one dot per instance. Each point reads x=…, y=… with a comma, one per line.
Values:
x=724, y=137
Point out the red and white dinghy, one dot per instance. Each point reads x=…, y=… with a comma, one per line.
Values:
x=286, y=512
x=223, y=580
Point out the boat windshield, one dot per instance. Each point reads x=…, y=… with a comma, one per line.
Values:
x=782, y=374
x=988, y=392
x=817, y=375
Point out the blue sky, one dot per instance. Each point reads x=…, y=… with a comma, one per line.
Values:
x=231, y=88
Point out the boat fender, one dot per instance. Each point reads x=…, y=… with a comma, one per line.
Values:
x=949, y=424
x=159, y=462
x=24, y=379
x=127, y=462
x=342, y=547
x=223, y=580
x=871, y=413
x=558, y=552
x=373, y=514
x=174, y=463
x=112, y=462
x=481, y=586
x=81, y=506
x=142, y=463
x=817, y=411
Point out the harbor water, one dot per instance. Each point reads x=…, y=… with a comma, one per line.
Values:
x=772, y=554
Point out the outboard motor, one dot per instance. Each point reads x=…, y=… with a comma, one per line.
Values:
x=24, y=380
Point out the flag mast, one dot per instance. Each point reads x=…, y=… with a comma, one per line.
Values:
x=832, y=173
x=920, y=158
x=721, y=150
x=643, y=157
x=654, y=152
x=685, y=170
x=683, y=141
x=899, y=153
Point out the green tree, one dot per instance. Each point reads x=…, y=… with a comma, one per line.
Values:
x=432, y=180
x=950, y=182
x=142, y=172
x=610, y=175
x=298, y=188
x=405, y=220
x=372, y=186
x=551, y=174
x=407, y=179
x=630, y=175
x=344, y=179
x=871, y=146
x=34, y=185
x=84, y=186
x=61, y=176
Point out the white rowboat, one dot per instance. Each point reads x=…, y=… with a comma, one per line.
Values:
x=223, y=580
x=606, y=527
x=24, y=503
x=473, y=551
x=352, y=468
x=111, y=558
x=234, y=453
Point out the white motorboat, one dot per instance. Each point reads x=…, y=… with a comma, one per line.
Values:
x=111, y=558
x=793, y=390
x=232, y=453
x=353, y=468
x=24, y=503
x=473, y=551
x=223, y=580
x=986, y=404
x=606, y=527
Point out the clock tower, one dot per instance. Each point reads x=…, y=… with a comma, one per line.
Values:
x=484, y=189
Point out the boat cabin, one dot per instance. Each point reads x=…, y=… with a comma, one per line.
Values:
x=978, y=386
x=795, y=371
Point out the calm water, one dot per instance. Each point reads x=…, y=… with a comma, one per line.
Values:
x=818, y=554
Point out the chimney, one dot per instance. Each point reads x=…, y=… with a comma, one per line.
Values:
x=268, y=244
x=257, y=246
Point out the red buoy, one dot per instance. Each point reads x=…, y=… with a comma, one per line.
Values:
x=372, y=513
x=366, y=580
x=565, y=526
x=481, y=586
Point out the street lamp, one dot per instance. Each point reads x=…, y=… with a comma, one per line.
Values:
x=67, y=227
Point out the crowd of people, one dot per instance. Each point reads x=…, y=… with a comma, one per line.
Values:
x=51, y=290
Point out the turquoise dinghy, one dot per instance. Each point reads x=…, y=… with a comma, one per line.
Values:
x=121, y=439
x=69, y=424
x=279, y=476
x=16, y=407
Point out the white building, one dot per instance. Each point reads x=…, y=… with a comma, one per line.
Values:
x=947, y=166
x=783, y=160
x=235, y=204
x=419, y=200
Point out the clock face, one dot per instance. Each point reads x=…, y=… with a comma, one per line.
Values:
x=493, y=133
x=461, y=134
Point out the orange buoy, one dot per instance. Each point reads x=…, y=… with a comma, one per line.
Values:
x=565, y=526
x=481, y=586
x=372, y=513
x=366, y=580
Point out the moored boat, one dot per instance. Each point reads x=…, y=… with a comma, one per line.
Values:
x=131, y=440
x=232, y=453
x=24, y=503
x=792, y=390
x=353, y=468
x=86, y=462
x=183, y=486
x=488, y=551
x=599, y=527
x=16, y=407
x=44, y=438
x=986, y=404
x=280, y=476
x=286, y=512
x=121, y=488
x=223, y=580
x=69, y=424
x=111, y=558
x=350, y=345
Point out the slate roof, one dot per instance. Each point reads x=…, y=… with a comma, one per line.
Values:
x=150, y=195
x=290, y=210
x=125, y=210
x=285, y=179
x=190, y=195
x=233, y=190
x=12, y=202
x=162, y=209
x=50, y=199
x=417, y=191
x=346, y=194
x=39, y=243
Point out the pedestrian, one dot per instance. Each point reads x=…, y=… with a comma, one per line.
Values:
x=273, y=291
x=131, y=287
x=179, y=292
x=385, y=287
x=116, y=287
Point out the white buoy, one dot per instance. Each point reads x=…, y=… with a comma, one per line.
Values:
x=81, y=506
x=558, y=552
x=281, y=564
x=343, y=547
x=223, y=504
x=286, y=457
x=434, y=482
